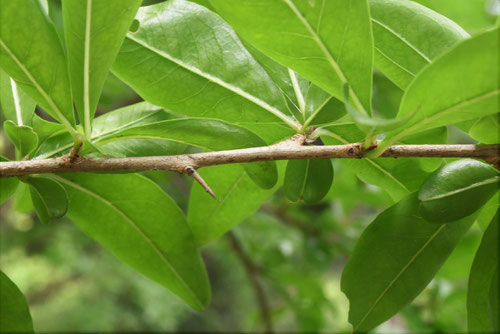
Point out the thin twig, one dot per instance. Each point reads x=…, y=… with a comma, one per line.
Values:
x=286, y=150
x=253, y=273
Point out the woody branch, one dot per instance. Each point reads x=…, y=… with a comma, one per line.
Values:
x=287, y=150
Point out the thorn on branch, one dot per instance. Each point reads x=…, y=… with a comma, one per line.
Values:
x=191, y=171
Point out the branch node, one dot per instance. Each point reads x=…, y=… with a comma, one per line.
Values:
x=72, y=156
x=296, y=140
x=356, y=150
x=191, y=171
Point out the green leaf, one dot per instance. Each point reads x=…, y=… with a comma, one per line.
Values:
x=398, y=177
x=328, y=42
x=24, y=138
x=460, y=85
x=133, y=115
x=145, y=113
x=486, y=129
x=309, y=180
x=271, y=133
x=141, y=225
x=21, y=201
x=94, y=32
x=457, y=190
x=50, y=199
x=31, y=54
x=14, y=313
x=386, y=96
x=17, y=106
x=471, y=15
x=409, y=36
x=488, y=211
x=494, y=305
x=321, y=107
x=201, y=78
x=237, y=198
x=483, y=270
x=45, y=129
x=57, y=141
x=141, y=148
x=373, y=125
x=280, y=75
x=8, y=185
x=210, y=134
x=394, y=260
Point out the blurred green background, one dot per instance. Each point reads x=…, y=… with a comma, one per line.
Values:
x=73, y=284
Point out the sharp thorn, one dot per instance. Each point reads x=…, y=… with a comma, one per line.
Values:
x=191, y=171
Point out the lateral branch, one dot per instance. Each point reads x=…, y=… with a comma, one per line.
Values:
x=286, y=150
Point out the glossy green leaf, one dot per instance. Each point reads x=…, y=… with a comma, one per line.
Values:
x=308, y=180
x=138, y=114
x=21, y=201
x=31, y=54
x=328, y=42
x=141, y=148
x=373, y=125
x=386, y=96
x=94, y=32
x=186, y=58
x=460, y=85
x=271, y=133
x=488, y=211
x=14, y=313
x=50, y=199
x=17, y=106
x=45, y=129
x=457, y=190
x=57, y=141
x=133, y=115
x=394, y=260
x=141, y=225
x=486, y=129
x=397, y=177
x=483, y=270
x=8, y=185
x=210, y=134
x=280, y=75
x=494, y=302
x=321, y=107
x=237, y=198
x=473, y=16
x=24, y=138
x=408, y=36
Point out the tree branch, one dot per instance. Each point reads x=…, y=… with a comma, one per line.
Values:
x=252, y=273
x=286, y=150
